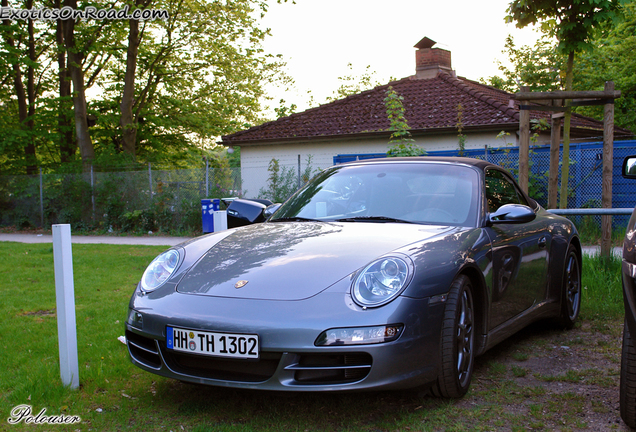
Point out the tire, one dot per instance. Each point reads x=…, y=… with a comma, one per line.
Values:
x=571, y=289
x=628, y=379
x=457, y=345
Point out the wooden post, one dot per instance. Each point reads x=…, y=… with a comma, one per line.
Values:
x=565, y=162
x=608, y=160
x=608, y=96
x=299, y=181
x=555, y=145
x=524, y=146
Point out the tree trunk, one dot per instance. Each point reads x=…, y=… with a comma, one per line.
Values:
x=565, y=164
x=555, y=144
x=524, y=147
x=84, y=142
x=31, y=158
x=128, y=121
x=23, y=101
x=68, y=145
x=608, y=168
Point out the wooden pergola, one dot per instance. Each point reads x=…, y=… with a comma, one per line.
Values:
x=554, y=101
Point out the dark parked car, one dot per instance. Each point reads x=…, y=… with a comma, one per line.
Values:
x=628, y=358
x=388, y=273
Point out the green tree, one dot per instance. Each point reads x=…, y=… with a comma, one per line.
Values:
x=283, y=110
x=612, y=59
x=199, y=74
x=573, y=23
x=353, y=84
x=222, y=178
x=165, y=87
x=609, y=59
x=234, y=157
x=537, y=67
x=46, y=120
x=20, y=62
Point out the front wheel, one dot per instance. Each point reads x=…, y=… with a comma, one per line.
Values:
x=628, y=379
x=457, y=348
x=571, y=290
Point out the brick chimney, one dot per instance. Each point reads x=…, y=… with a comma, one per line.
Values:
x=429, y=61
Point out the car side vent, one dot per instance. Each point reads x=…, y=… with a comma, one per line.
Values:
x=330, y=368
x=143, y=350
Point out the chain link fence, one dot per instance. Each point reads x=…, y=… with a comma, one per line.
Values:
x=152, y=200
x=585, y=183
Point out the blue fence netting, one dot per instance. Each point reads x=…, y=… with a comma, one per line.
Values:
x=585, y=183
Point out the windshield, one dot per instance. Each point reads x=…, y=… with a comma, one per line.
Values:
x=429, y=193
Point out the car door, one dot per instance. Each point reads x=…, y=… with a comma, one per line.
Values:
x=519, y=253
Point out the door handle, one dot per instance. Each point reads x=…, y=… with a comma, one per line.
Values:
x=543, y=241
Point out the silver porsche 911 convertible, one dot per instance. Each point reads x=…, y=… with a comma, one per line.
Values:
x=379, y=274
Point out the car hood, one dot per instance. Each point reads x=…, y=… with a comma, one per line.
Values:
x=294, y=260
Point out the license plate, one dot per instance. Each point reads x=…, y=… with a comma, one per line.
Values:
x=233, y=345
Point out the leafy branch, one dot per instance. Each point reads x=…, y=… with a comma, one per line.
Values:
x=403, y=145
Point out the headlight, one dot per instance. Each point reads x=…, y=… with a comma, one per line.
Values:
x=159, y=270
x=381, y=281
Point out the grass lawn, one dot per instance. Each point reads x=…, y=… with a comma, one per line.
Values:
x=115, y=395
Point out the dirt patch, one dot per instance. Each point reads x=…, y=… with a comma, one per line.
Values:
x=42, y=313
x=560, y=379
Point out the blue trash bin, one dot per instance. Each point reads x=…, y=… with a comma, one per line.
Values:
x=208, y=207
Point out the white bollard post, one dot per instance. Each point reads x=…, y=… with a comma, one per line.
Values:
x=65, y=301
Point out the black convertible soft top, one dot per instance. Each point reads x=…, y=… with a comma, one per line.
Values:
x=477, y=163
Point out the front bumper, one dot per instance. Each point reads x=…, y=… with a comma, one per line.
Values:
x=289, y=360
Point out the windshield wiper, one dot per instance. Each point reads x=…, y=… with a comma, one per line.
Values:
x=373, y=219
x=294, y=219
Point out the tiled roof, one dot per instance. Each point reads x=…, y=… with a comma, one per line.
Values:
x=430, y=106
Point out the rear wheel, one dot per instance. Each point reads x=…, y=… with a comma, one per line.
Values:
x=457, y=341
x=571, y=292
x=628, y=379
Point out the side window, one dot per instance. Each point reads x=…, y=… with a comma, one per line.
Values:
x=500, y=190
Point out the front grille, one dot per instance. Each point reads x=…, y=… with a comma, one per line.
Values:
x=222, y=368
x=331, y=368
x=143, y=350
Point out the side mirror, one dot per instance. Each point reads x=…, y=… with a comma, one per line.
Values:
x=242, y=212
x=270, y=210
x=629, y=167
x=512, y=213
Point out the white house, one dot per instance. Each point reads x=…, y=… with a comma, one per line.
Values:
x=358, y=124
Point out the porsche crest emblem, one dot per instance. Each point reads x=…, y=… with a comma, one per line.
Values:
x=240, y=284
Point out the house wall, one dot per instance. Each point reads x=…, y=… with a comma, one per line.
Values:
x=255, y=159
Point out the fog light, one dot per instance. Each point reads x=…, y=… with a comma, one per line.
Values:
x=359, y=335
x=135, y=318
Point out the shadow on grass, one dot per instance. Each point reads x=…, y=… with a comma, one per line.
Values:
x=236, y=409
x=221, y=409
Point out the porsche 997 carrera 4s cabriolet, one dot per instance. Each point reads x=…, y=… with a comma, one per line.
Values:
x=378, y=274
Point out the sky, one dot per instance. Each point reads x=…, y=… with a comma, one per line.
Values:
x=319, y=38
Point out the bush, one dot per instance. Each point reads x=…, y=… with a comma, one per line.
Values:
x=68, y=200
x=283, y=182
x=19, y=198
